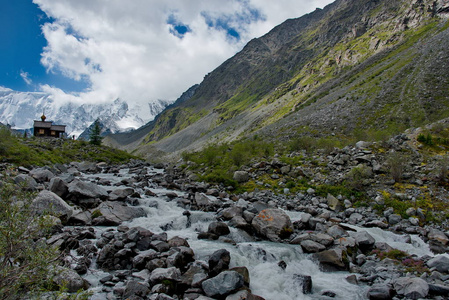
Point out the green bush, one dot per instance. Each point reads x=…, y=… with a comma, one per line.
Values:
x=26, y=261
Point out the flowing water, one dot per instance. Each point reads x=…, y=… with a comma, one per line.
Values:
x=261, y=258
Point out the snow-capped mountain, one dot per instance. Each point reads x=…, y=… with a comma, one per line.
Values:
x=19, y=109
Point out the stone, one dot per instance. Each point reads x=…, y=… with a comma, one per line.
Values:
x=411, y=288
x=114, y=213
x=333, y=260
x=80, y=218
x=219, y=261
x=25, y=181
x=241, y=176
x=160, y=274
x=225, y=283
x=136, y=288
x=394, y=219
x=309, y=246
x=380, y=292
x=218, y=228
x=59, y=187
x=69, y=279
x=273, y=224
x=438, y=235
x=305, y=281
x=243, y=295
x=231, y=212
x=85, y=189
x=333, y=203
x=120, y=194
x=49, y=202
x=440, y=263
x=41, y=175
x=364, y=239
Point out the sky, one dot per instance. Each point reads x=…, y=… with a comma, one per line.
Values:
x=92, y=51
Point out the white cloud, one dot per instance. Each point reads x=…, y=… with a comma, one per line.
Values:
x=25, y=77
x=131, y=49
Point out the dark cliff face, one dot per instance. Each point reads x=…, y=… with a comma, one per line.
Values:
x=300, y=62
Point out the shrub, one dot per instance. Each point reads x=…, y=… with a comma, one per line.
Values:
x=25, y=258
x=396, y=163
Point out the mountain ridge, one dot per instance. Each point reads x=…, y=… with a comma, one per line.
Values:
x=298, y=63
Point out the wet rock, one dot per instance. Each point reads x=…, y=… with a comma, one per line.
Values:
x=218, y=228
x=412, y=288
x=80, y=190
x=219, y=261
x=229, y=213
x=49, y=202
x=120, y=194
x=243, y=295
x=273, y=224
x=223, y=284
x=245, y=274
x=305, y=282
x=333, y=260
x=114, y=213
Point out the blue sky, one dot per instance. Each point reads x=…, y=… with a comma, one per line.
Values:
x=140, y=50
x=21, y=48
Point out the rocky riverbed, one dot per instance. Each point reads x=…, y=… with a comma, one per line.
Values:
x=140, y=231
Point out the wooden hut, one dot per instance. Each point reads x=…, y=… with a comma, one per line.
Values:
x=48, y=129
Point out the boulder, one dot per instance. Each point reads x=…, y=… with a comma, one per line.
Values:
x=273, y=224
x=49, y=202
x=364, y=240
x=305, y=281
x=219, y=261
x=243, y=295
x=380, y=292
x=411, y=288
x=440, y=263
x=161, y=274
x=333, y=260
x=134, y=289
x=333, y=203
x=69, y=279
x=59, y=187
x=241, y=176
x=309, y=246
x=83, y=189
x=41, y=175
x=218, y=228
x=223, y=284
x=114, y=213
x=120, y=194
x=25, y=181
x=438, y=235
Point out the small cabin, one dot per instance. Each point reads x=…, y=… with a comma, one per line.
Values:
x=48, y=129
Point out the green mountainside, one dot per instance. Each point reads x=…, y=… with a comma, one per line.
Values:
x=356, y=69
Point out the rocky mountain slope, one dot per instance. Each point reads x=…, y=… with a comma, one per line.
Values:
x=370, y=68
x=19, y=109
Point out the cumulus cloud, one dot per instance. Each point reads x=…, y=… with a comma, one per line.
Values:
x=143, y=50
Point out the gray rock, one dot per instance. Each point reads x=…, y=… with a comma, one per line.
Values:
x=219, y=261
x=355, y=218
x=120, y=194
x=69, y=279
x=59, y=187
x=114, y=213
x=411, y=288
x=49, y=202
x=243, y=295
x=333, y=203
x=241, y=176
x=136, y=288
x=223, y=284
x=160, y=274
x=25, y=181
x=440, y=263
x=273, y=223
x=380, y=292
x=438, y=235
x=309, y=246
x=305, y=282
x=41, y=174
x=333, y=260
x=84, y=189
x=218, y=228
x=394, y=219
x=364, y=239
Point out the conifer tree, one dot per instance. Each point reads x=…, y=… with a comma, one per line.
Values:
x=95, y=138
